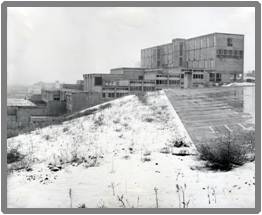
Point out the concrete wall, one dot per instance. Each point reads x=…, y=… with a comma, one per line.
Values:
x=72, y=86
x=149, y=57
x=79, y=101
x=20, y=116
x=89, y=83
x=55, y=108
x=230, y=63
x=197, y=53
x=201, y=52
x=50, y=95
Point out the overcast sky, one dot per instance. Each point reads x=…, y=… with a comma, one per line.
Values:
x=49, y=44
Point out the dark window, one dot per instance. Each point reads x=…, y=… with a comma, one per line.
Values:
x=211, y=77
x=182, y=75
x=180, y=49
x=241, y=53
x=98, y=81
x=218, y=77
x=229, y=42
x=104, y=95
x=140, y=77
x=180, y=61
x=111, y=95
x=225, y=52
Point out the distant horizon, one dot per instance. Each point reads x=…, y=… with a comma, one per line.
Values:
x=49, y=44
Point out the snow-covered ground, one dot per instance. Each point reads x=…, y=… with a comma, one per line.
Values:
x=122, y=156
x=239, y=84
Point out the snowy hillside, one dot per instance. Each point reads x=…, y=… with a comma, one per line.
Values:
x=133, y=153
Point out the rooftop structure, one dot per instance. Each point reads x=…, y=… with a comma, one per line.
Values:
x=19, y=103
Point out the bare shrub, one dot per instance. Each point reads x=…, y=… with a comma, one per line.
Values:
x=165, y=150
x=82, y=206
x=181, y=191
x=13, y=155
x=65, y=129
x=148, y=119
x=101, y=204
x=156, y=196
x=86, y=113
x=142, y=97
x=70, y=197
x=102, y=107
x=99, y=121
x=47, y=137
x=121, y=200
x=228, y=151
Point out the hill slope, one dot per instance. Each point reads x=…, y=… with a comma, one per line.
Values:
x=121, y=156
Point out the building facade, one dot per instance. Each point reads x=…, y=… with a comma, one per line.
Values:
x=204, y=60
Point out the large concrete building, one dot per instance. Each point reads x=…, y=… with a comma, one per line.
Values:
x=202, y=60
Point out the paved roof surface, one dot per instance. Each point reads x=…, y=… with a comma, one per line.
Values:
x=20, y=103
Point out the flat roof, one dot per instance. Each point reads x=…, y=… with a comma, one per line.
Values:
x=151, y=47
x=139, y=68
x=20, y=103
x=204, y=35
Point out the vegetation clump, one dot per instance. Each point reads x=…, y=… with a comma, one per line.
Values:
x=229, y=151
x=13, y=156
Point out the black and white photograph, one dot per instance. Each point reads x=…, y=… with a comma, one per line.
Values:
x=131, y=107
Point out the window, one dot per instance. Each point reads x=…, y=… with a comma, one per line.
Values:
x=180, y=61
x=182, y=76
x=180, y=49
x=161, y=81
x=110, y=95
x=212, y=64
x=140, y=77
x=218, y=77
x=103, y=95
x=229, y=42
x=241, y=53
x=211, y=77
x=198, y=76
x=98, y=81
x=174, y=82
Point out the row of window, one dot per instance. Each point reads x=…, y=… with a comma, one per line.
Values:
x=202, y=42
x=198, y=76
x=215, y=77
x=171, y=82
x=230, y=53
x=113, y=95
x=208, y=64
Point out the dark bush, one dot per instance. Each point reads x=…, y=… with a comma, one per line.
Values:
x=102, y=107
x=13, y=156
x=228, y=151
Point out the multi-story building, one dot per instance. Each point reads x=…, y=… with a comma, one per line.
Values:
x=206, y=60
x=202, y=60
